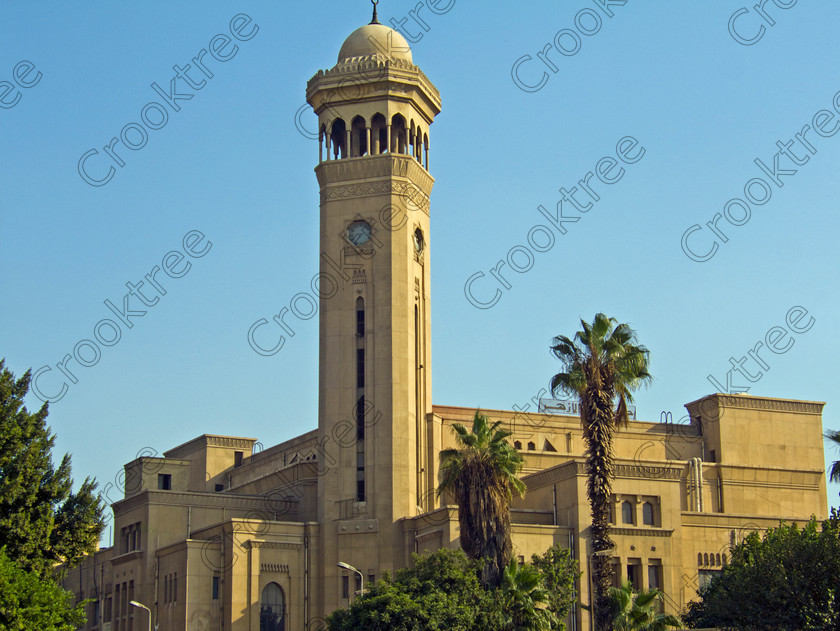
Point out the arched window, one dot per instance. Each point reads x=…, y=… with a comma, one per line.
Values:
x=531, y=446
x=358, y=137
x=379, y=134
x=398, y=134
x=517, y=444
x=272, y=609
x=647, y=514
x=338, y=139
x=626, y=513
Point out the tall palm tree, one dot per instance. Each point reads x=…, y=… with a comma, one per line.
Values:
x=634, y=611
x=834, y=473
x=482, y=475
x=525, y=598
x=602, y=365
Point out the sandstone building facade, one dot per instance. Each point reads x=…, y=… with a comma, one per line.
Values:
x=218, y=535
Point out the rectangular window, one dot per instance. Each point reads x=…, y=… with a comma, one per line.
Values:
x=360, y=489
x=655, y=574
x=215, y=588
x=704, y=577
x=360, y=418
x=634, y=573
x=345, y=587
x=371, y=580
x=360, y=368
x=237, y=458
x=107, y=613
x=220, y=488
x=175, y=588
x=164, y=481
x=360, y=323
x=358, y=583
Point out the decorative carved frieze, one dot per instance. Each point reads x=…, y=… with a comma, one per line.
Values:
x=642, y=532
x=274, y=567
x=275, y=545
x=351, y=174
x=648, y=472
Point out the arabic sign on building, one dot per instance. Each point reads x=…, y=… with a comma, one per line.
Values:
x=571, y=407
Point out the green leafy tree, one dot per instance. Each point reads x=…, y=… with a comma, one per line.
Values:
x=523, y=597
x=441, y=593
x=787, y=579
x=482, y=475
x=636, y=611
x=29, y=602
x=559, y=571
x=602, y=365
x=42, y=522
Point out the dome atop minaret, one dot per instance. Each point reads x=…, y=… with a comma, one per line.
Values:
x=373, y=39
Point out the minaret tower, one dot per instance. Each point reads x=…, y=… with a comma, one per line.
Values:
x=374, y=111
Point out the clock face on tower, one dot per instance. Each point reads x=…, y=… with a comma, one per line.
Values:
x=358, y=232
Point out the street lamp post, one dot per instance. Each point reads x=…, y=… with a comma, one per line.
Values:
x=347, y=566
x=136, y=604
x=599, y=553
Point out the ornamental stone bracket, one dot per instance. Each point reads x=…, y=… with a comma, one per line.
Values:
x=357, y=526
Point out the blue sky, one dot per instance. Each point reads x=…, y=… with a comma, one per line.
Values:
x=233, y=164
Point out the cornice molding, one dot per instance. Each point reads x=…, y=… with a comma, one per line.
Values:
x=389, y=69
x=578, y=468
x=747, y=402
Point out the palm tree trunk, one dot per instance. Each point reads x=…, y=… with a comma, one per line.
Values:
x=598, y=434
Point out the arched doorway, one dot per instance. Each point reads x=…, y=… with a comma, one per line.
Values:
x=272, y=609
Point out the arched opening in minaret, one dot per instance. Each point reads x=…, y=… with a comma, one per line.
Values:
x=398, y=134
x=412, y=147
x=322, y=136
x=426, y=151
x=358, y=137
x=418, y=144
x=379, y=134
x=338, y=138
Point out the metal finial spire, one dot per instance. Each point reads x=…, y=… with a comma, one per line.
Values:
x=375, y=20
